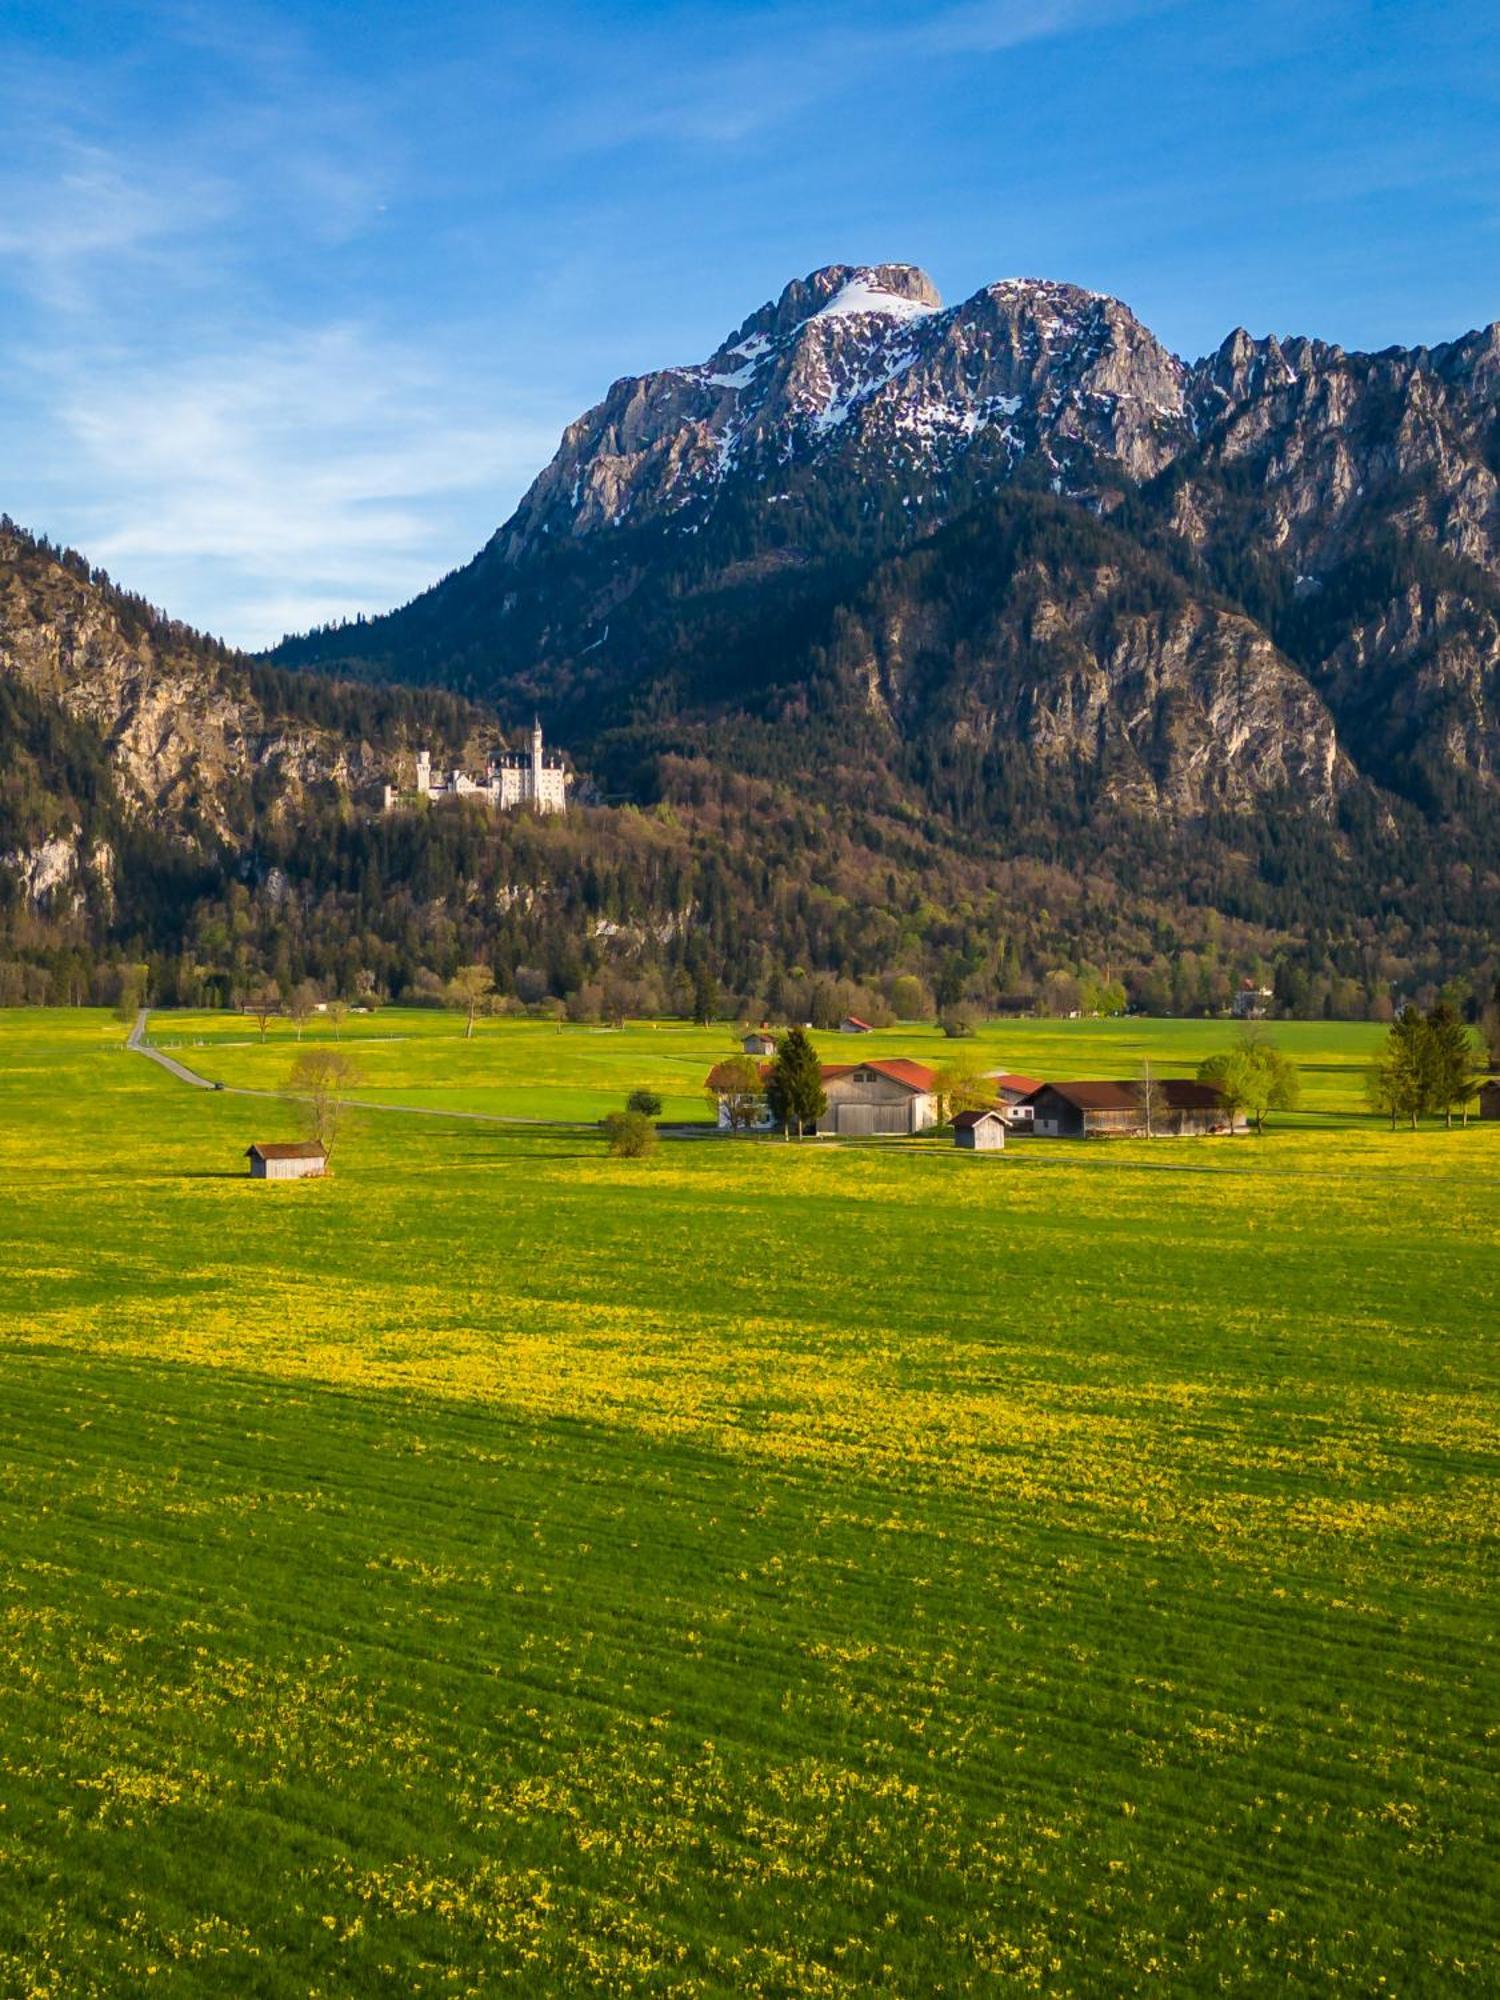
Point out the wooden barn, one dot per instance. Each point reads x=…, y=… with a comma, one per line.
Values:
x=1180, y=1108
x=888, y=1096
x=286, y=1162
x=759, y=1042
x=980, y=1131
x=853, y=1025
x=881, y=1098
x=1489, y=1098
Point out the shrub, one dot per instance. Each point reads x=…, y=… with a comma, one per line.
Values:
x=631, y=1134
x=645, y=1101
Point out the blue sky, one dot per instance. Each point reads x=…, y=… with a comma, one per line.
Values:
x=294, y=300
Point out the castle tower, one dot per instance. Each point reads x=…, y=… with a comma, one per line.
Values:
x=424, y=770
x=536, y=760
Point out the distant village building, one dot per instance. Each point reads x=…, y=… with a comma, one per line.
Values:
x=1180, y=1108
x=1252, y=1002
x=535, y=777
x=853, y=1025
x=980, y=1131
x=286, y=1162
x=1489, y=1098
x=759, y=1042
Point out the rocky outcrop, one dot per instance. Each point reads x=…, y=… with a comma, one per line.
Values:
x=180, y=730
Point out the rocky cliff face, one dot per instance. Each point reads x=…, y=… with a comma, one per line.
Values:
x=115, y=718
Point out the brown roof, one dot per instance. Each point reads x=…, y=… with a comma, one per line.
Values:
x=1172, y=1093
x=287, y=1152
x=967, y=1120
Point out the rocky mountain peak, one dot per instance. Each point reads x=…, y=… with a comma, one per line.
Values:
x=840, y=290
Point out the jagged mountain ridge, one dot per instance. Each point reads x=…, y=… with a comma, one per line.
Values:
x=699, y=530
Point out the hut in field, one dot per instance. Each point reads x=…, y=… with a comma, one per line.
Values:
x=759, y=1042
x=980, y=1131
x=1489, y=1098
x=853, y=1025
x=292, y=1162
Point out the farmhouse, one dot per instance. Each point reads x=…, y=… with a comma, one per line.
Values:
x=759, y=1042
x=286, y=1162
x=1179, y=1108
x=1251, y=1002
x=853, y=1025
x=887, y=1096
x=980, y=1131
x=1489, y=1098
x=1013, y=1094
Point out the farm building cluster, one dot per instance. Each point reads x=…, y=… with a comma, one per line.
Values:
x=891, y=1096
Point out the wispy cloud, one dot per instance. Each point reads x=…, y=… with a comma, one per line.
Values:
x=330, y=470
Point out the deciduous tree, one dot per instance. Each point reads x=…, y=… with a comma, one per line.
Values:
x=1253, y=1078
x=302, y=1005
x=319, y=1079
x=466, y=989
x=738, y=1090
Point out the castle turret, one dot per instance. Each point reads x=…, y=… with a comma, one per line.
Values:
x=536, y=758
x=424, y=770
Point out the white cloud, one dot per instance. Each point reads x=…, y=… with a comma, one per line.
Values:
x=285, y=481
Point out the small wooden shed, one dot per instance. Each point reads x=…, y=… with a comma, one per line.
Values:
x=1489, y=1098
x=286, y=1162
x=759, y=1042
x=980, y=1131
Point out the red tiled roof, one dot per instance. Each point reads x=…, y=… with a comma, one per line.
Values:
x=853, y=1021
x=1004, y=1080
x=915, y=1075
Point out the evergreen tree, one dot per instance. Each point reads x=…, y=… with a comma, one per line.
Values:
x=1453, y=1059
x=705, y=996
x=1402, y=1079
x=794, y=1084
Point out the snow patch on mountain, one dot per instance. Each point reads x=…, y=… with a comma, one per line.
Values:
x=862, y=295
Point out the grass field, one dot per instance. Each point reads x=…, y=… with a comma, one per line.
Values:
x=754, y=1570
x=534, y=1069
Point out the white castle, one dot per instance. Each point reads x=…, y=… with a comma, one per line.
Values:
x=511, y=778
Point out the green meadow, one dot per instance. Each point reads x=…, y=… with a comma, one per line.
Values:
x=757, y=1569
